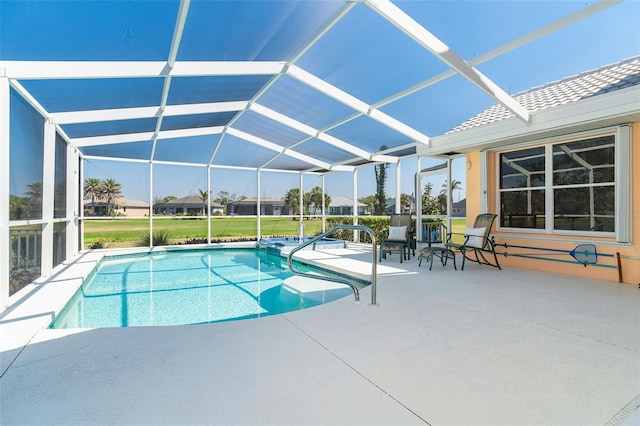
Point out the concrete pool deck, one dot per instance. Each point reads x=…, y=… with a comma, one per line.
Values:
x=444, y=347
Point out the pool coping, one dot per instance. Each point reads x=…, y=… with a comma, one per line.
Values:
x=34, y=307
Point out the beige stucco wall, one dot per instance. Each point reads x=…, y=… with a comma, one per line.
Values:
x=629, y=272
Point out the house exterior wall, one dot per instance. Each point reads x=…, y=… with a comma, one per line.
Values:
x=606, y=245
x=134, y=211
x=345, y=210
x=251, y=209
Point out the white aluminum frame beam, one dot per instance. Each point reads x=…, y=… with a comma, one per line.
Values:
x=308, y=130
x=45, y=70
x=48, y=191
x=355, y=103
x=5, y=235
x=581, y=14
x=146, y=136
x=422, y=36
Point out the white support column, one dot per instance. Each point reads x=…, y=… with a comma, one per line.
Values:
x=418, y=199
x=398, y=207
x=549, y=204
x=258, y=206
x=48, y=190
x=449, y=194
x=484, y=183
x=81, y=202
x=5, y=235
x=209, y=206
x=151, y=204
x=72, y=203
x=301, y=226
x=324, y=213
x=356, y=234
x=623, y=215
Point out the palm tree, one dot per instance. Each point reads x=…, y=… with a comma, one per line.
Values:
x=34, y=194
x=315, y=198
x=292, y=199
x=110, y=190
x=370, y=201
x=93, y=190
x=455, y=184
x=204, y=196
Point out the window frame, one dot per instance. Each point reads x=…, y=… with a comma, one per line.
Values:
x=622, y=183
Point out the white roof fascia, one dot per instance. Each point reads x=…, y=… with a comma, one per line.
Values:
x=430, y=42
x=604, y=110
x=581, y=14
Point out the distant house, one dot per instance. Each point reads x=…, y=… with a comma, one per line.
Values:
x=391, y=206
x=460, y=208
x=344, y=206
x=120, y=206
x=269, y=206
x=191, y=204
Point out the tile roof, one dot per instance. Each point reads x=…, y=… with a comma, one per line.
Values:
x=119, y=201
x=193, y=200
x=596, y=82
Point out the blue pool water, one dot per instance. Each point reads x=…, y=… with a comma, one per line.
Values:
x=190, y=287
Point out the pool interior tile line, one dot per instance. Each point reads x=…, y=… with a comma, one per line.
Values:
x=355, y=370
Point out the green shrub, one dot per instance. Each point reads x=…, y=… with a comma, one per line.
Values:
x=99, y=244
x=160, y=238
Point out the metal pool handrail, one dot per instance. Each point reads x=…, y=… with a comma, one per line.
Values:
x=374, y=256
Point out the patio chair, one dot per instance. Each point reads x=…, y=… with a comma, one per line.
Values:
x=399, y=238
x=475, y=244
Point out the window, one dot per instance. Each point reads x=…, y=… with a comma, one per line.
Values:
x=584, y=185
x=562, y=186
x=522, y=188
x=60, y=185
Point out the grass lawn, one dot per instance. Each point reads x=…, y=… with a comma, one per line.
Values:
x=127, y=232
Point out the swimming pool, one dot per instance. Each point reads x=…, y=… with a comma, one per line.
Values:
x=280, y=245
x=192, y=287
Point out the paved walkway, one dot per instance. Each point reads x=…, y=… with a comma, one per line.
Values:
x=472, y=347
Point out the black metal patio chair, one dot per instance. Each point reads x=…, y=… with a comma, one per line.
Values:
x=476, y=244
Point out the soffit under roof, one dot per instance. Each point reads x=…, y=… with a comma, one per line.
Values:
x=282, y=85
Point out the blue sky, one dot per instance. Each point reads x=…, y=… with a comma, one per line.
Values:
x=471, y=28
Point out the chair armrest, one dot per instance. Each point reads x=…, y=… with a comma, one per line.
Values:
x=456, y=240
